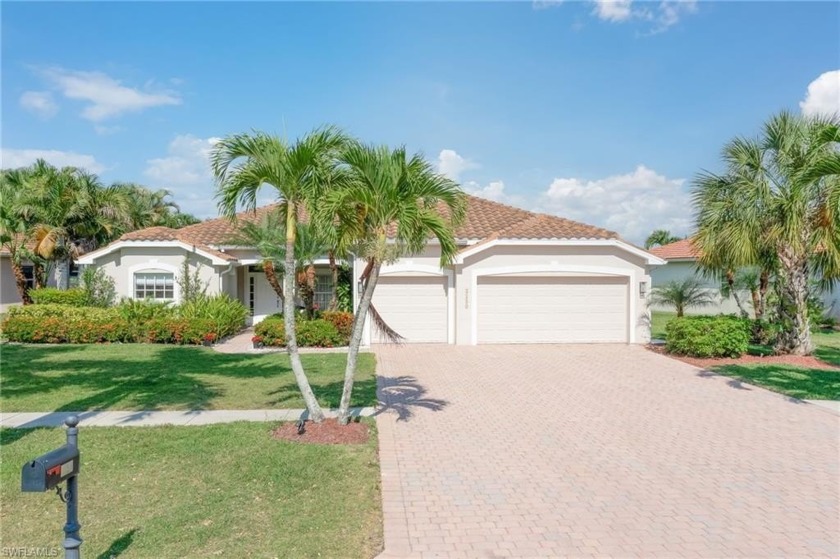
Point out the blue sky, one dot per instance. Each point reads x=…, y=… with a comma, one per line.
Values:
x=597, y=111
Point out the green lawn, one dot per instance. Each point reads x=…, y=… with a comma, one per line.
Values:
x=658, y=321
x=160, y=377
x=212, y=491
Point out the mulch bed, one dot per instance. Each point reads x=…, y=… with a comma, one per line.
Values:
x=808, y=362
x=326, y=432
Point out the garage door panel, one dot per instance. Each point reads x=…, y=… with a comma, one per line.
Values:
x=415, y=307
x=552, y=310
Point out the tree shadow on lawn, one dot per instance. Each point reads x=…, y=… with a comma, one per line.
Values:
x=329, y=395
x=168, y=378
x=119, y=545
x=796, y=382
x=830, y=355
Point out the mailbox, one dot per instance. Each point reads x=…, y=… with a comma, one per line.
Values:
x=50, y=469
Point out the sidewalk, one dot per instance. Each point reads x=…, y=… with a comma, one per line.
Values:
x=29, y=420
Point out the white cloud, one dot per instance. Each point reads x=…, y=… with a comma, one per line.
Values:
x=613, y=10
x=40, y=103
x=823, y=97
x=495, y=190
x=633, y=204
x=105, y=96
x=661, y=15
x=13, y=158
x=452, y=165
x=185, y=170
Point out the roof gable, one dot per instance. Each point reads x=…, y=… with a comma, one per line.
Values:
x=683, y=249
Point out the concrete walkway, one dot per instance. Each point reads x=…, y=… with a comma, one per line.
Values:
x=29, y=420
x=597, y=451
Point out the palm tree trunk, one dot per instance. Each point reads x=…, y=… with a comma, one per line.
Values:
x=20, y=281
x=62, y=272
x=271, y=278
x=730, y=280
x=315, y=412
x=39, y=275
x=795, y=337
x=356, y=341
x=763, y=286
x=334, y=274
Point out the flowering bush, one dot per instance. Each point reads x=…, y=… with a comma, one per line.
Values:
x=310, y=333
x=343, y=321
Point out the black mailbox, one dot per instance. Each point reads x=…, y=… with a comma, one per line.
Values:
x=50, y=469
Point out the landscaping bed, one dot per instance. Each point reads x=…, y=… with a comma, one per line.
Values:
x=808, y=361
x=328, y=431
x=41, y=378
x=227, y=490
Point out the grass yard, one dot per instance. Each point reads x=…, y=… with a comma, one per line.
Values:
x=213, y=491
x=799, y=382
x=159, y=377
x=658, y=321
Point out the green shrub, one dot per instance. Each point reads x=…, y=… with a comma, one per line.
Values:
x=708, y=336
x=75, y=297
x=310, y=333
x=343, y=321
x=143, y=310
x=98, y=287
x=227, y=315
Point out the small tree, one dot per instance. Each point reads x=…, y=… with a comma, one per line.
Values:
x=98, y=287
x=189, y=282
x=681, y=295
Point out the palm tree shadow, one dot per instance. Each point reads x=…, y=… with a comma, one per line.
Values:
x=402, y=395
x=118, y=545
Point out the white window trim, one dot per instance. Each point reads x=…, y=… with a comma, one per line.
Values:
x=551, y=268
x=150, y=266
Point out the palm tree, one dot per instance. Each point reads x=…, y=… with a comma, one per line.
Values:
x=386, y=204
x=682, y=294
x=14, y=225
x=778, y=203
x=242, y=165
x=660, y=237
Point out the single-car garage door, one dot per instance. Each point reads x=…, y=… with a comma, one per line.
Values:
x=552, y=309
x=415, y=307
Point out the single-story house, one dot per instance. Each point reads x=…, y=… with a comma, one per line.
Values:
x=520, y=277
x=681, y=263
x=9, y=295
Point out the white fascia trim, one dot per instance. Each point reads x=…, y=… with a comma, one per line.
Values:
x=408, y=267
x=548, y=268
x=649, y=258
x=90, y=257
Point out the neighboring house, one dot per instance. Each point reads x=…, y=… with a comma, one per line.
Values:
x=9, y=295
x=520, y=277
x=681, y=263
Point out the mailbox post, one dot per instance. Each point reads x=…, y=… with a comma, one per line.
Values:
x=48, y=470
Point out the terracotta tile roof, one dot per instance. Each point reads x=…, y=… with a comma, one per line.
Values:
x=484, y=220
x=676, y=250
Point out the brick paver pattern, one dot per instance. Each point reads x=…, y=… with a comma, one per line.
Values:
x=607, y=450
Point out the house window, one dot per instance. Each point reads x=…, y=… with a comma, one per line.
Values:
x=29, y=274
x=154, y=285
x=323, y=291
x=73, y=275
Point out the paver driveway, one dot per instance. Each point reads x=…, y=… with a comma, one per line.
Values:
x=597, y=451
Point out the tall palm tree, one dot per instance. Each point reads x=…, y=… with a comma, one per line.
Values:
x=386, y=204
x=660, y=237
x=242, y=165
x=14, y=225
x=681, y=295
x=779, y=196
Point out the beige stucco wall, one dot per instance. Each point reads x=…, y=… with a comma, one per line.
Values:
x=124, y=262
x=8, y=289
x=566, y=260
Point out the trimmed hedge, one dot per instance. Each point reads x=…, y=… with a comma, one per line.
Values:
x=75, y=297
x=708, y=336
x=55, y=323
x=310, y=333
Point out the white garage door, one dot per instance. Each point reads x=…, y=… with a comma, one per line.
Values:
x=552, y=310
x=415, y=307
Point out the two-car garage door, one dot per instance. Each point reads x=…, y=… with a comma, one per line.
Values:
x=552, y=309
x=508, y=309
